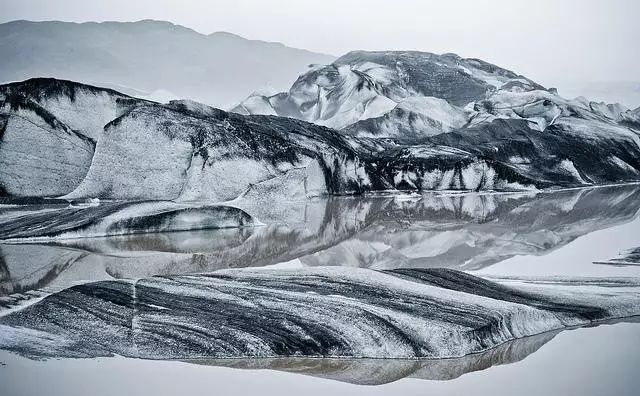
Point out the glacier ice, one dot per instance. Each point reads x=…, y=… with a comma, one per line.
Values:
x=435, y=313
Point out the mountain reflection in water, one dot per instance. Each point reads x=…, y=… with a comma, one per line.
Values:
x=460, y=231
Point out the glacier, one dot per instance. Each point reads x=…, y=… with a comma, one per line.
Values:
x=384, y=217
x=403, y=313
x=493, y=118
x=454, y=124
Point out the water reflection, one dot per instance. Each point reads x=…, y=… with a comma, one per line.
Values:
x=462, y=231
x=627, y=258
x=384, y=371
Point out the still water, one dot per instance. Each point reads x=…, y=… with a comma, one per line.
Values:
x=572, y=233
x=589, y=361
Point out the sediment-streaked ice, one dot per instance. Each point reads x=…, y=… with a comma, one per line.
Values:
x=320, y=312
x=115, y=218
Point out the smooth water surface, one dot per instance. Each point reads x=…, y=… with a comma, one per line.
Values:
x=571, y=233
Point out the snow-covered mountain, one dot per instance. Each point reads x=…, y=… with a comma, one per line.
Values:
x=153, y=59
x=410, y=95
x=426, y=91
x=61, y=138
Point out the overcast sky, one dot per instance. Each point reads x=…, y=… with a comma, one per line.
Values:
x=551, y=41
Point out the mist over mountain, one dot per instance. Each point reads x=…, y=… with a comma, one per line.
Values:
x=626, y=93
x=152, y=59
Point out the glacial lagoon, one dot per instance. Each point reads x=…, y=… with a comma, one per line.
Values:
x=558, y=236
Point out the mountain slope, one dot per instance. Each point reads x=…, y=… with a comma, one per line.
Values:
x=157, y=58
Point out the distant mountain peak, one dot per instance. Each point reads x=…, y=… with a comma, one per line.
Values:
x=150, y=56
x=224, y=34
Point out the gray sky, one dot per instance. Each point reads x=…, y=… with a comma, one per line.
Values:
x=550, y=41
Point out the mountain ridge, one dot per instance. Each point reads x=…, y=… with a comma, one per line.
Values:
x=150, y=57
x=160, y=22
